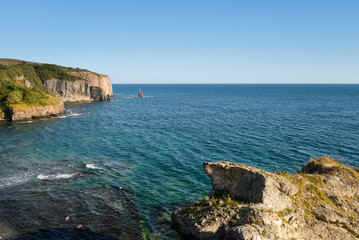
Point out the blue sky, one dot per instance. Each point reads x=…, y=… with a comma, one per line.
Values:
x=189, y=41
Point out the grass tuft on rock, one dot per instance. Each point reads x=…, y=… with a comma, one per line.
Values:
x=326, y=165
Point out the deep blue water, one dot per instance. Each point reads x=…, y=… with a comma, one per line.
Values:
x=121, y=167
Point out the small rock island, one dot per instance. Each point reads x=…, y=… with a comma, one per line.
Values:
x=34, y=90
x=140, y=94
x=319, y=202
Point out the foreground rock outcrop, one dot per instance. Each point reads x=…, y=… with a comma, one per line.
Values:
x=320, y=202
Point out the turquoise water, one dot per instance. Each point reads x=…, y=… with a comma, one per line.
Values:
x=119, y=168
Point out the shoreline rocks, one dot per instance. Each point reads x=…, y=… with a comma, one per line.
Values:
x=21, y=113
x=321, y=202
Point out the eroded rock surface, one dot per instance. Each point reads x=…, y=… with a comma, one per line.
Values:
x=320, y=202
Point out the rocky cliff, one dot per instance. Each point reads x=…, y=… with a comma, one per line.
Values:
x=28, y=89
x=69, y=91
x=93, y=87
x=319, y=202
x=95, y=80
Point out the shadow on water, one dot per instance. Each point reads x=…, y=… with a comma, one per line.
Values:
x=63, y=233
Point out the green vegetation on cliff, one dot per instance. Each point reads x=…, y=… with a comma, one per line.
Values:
x=21, y=83
x=12, y=93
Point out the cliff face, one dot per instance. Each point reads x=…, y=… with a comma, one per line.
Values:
x=19, y=113
x=96, y=80
x=246, y=203
x=94, y=87
x=69, y=91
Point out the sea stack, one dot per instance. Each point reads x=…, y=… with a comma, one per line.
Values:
x=140, y=94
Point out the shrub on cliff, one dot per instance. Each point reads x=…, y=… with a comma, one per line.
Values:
x=12, y=93
x=51, y=71
x=36, y=74
x=14, y=97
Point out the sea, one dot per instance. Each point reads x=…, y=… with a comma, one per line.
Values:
x=117, y=169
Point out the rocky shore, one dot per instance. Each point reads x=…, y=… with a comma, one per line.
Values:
x=24, y=113
x=319, y=202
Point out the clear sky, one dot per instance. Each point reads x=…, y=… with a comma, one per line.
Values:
x=189, y=41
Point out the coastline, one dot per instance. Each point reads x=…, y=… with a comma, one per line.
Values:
x=32, y=90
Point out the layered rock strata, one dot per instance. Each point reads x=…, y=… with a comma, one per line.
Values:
x=94, y=87
x=320, y=202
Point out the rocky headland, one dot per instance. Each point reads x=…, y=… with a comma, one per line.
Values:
x=34, y=90
x=319, y=202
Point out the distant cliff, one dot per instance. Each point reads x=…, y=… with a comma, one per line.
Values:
x=31, y=90
x=319, y=202
x=93, y=87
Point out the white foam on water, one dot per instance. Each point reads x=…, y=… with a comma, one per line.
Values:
x=56, y=176
x=75, y=114
x=27, y=121
x=301, y=151
x=61, y=116
x=70, y=113
x=92, y=166
x=129, y=97
x=16, y=179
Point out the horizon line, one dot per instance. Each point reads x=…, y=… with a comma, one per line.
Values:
x=239, y=83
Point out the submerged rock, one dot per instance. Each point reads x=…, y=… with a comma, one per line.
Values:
x=249, y=203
